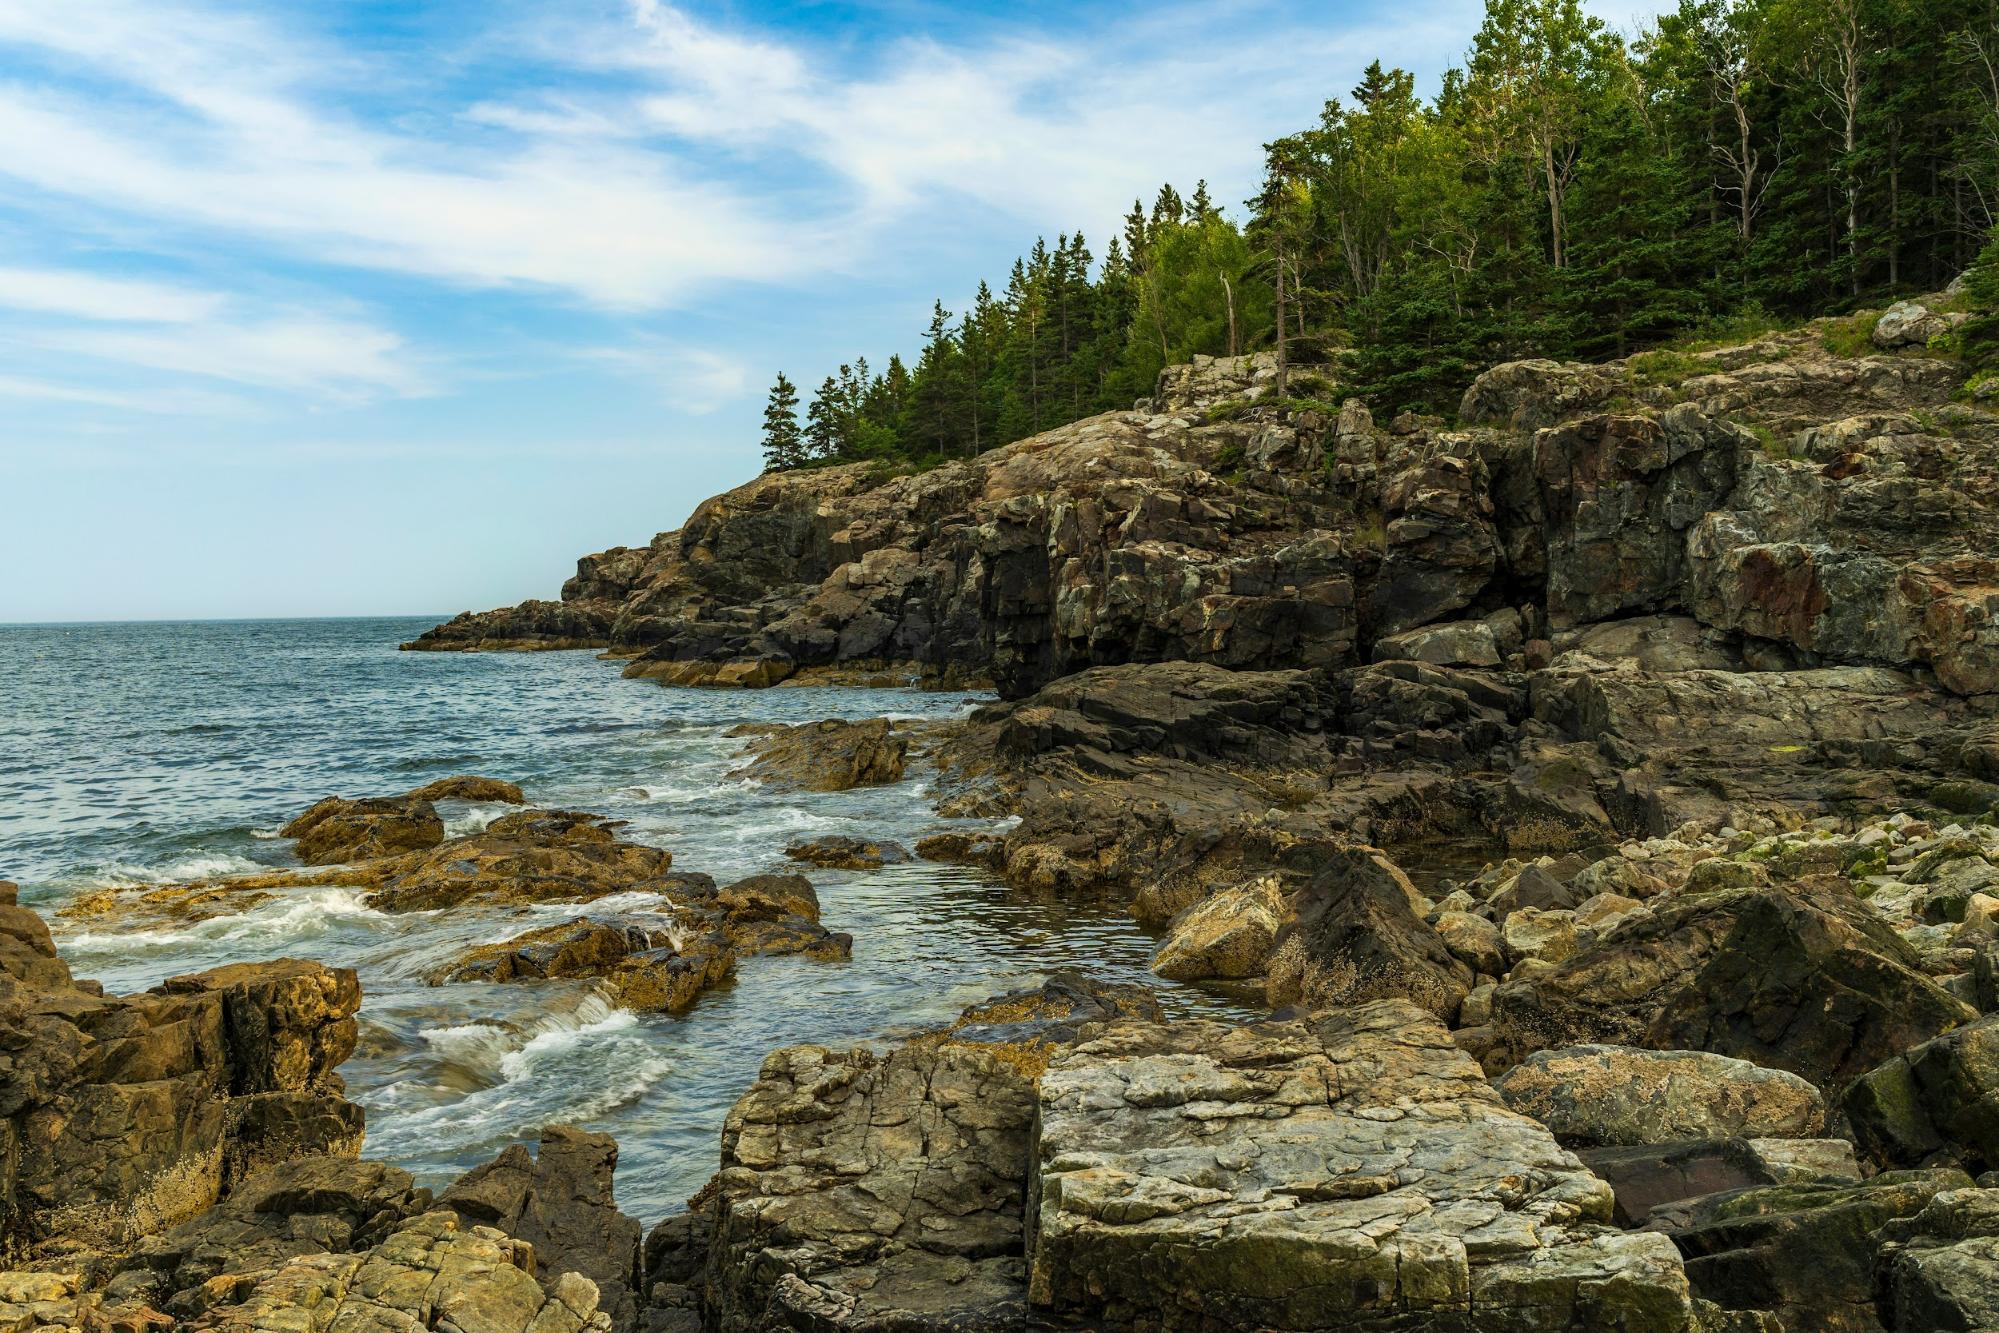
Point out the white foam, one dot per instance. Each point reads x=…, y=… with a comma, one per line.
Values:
x=192, y=866
x=297, y=915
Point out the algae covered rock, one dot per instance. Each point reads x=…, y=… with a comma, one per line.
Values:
x=1618, y=1095
x=829, y=756
x=1805, y=979
x=1358, y=937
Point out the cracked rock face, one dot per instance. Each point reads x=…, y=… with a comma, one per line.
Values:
x=1348, y=1171
x=862, y=1192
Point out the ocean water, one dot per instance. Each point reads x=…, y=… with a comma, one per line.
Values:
x=149, y=752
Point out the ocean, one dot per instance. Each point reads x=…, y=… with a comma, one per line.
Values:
x=133, y=753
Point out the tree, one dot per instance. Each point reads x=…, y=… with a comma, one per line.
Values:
x=825, y=429
x=784, y=443
x=1535, y=70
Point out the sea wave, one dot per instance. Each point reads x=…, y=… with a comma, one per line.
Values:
x=273, y=924
x=198, y=864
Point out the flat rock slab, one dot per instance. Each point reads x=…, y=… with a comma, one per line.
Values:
x=1352, y=1170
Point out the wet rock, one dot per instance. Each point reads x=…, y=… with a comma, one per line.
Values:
x=1617, y=1095
x=845, y=852
x=1358, y=937
x=1803, y=1251
x=652, y=966
x=465, y=788
x=860, y=1191
x=527, y=857
x=1347, y=1171
x=1229, y=936
x=336, y=830
x=1025, y=1026
x=559, y=1199
x=829, y=756
x=1806, y=980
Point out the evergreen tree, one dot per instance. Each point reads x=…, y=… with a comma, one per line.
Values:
x=784, y=443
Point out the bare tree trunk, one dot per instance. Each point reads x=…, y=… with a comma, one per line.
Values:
x=1277, y=246
x=1229, y=292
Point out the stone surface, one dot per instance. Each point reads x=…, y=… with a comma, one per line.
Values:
x=1806, y=1252
x=120, y=1116
x=1229, y=936
x=431, y=1273
x=868, y=1192
x=828, y=756
x=1939, y=1098
x=1617, y=1095
x=1348, y=1171
x=1359, y=938
x=559, y=1200
x=845, y=852
x=1806, y=980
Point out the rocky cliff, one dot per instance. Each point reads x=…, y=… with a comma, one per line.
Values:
x=1807, y=508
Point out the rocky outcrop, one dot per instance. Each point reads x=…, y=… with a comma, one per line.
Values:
x=1348, y=1171
x=559, y=1200
x=124, y=1115
x=829, y=755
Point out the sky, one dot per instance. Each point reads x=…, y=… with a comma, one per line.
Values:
x=357, y=307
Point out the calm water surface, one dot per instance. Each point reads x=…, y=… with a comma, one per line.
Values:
x=134, y=753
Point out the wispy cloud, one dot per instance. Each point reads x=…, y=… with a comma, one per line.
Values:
x=695, y=380
x=91, y=296
x=308, y=354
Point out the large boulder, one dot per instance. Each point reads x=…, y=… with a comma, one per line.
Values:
x=1804, y=979
x=559, y=1199
x=828, y=756
x=336, y=830
x=1359, y=937
x=866, y=1192
x=1228, y=936
x=1619, y=493
x=1617, y=1095
x=1347, y=1171
x=1939, y=1099
x=1805, y=1251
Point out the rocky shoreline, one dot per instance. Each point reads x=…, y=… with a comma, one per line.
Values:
x=1602, y=797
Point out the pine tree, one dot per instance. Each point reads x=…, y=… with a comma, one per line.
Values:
x=824, y=429
x=784, y=443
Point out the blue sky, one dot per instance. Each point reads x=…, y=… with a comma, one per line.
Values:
x=358, y=308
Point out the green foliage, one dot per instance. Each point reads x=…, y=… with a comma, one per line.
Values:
x=1740, y=167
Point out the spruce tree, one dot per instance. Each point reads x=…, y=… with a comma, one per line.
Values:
x=784, y=443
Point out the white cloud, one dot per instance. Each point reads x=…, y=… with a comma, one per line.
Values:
x=695, y=380
x=173, y=402
x=90, y=296
x=341, y=359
